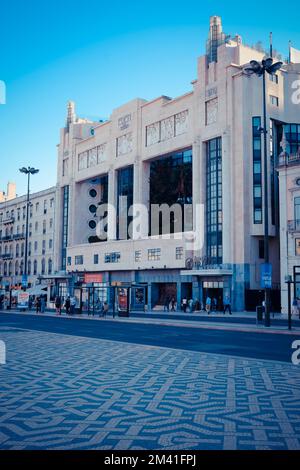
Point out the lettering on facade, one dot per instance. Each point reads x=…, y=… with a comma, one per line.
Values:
x=211, y=92
x=124, y=122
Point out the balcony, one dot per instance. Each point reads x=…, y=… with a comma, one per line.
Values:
x=293, y=225
x=6, y=256
x=6, y=238
x=8, y=220
x=18, y=236
x=286, y=159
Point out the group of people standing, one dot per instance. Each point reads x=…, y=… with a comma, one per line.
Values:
x=190, y=305
x=69, y=305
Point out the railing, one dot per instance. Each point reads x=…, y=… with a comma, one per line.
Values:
x=286, y=159
x=6, y=256
x=8, y=220
x=18, y=236
x=293, y=225
x=6, y=238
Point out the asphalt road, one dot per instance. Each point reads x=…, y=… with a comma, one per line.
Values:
x=245, y=344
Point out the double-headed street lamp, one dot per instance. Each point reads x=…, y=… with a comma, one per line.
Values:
x=260, y=70
x=27, y=171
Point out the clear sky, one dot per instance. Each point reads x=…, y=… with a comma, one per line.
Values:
x=102, y=54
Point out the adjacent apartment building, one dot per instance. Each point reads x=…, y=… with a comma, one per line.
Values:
x=41, y=227
x=202, y=149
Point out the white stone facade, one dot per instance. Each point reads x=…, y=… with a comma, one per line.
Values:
x=41, y=229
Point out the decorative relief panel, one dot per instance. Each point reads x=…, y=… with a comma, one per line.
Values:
x=124, y=144
x=102, y=153
x=211, y=111
x=82, y=161
x=153, y=133
x=181, y=122
x=167, y=128
x=92, y=157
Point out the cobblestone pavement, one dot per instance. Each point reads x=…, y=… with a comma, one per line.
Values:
x=68, y=392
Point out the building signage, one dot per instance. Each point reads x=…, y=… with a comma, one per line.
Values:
x=24, y=280
x=90, y=278
x=211, y=92
x=266, y=276
x=124, y=122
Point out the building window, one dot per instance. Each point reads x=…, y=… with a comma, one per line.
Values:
x=49, y=266
x=292, y=134
x=69, y=260
x=65, y=221
x=137, y=256
x=214, y=210
x=37, y=205
x=50, y=244
x=273, y=78
x=35, y=267
x=171, y=183
x=112, y=257
x=125, y=200
x=35, y=246
x=257, y=171
x=274, y=101
x=154, y=254
x=78, y=260
x=297, y=246
x=261, y=249
x=179, y=252
x=96, y=259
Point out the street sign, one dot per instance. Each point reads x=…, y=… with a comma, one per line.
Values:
x=24, y=280
x=266, y=276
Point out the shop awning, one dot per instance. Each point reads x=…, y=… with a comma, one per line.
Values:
x=37, y=290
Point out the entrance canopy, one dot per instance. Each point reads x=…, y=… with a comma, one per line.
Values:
x=37, y=290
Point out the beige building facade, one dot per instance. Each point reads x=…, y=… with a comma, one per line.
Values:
x=41, y=229
x=207, y=146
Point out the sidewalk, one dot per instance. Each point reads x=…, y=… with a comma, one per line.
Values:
x=240, y=322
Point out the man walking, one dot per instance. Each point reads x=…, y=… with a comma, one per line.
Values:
x=227, y=304
x=208, y=304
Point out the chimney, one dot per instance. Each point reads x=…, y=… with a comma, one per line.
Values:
x=11, y=191
x=71, y=115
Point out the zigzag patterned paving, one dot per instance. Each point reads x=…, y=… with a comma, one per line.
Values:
x=68, y=392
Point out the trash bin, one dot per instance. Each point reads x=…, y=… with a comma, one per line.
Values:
x=259, y=313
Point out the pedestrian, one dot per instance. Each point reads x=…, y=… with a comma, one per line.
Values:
x=208, y=304
x=43, y=304
x=295, y=307
x=37, y=304
x=173, y=304
x=214, y=304
x=68, y=305
x=167, y=304
x=105, y=309
x=184, y=304
x=72, y=304
x=227, y=304
x=191, y=305
x=58, y=305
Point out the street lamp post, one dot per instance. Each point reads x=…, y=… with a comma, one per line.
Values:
x=27, y=171
x=260, y=70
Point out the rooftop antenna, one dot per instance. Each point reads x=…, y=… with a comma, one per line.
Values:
x=271, y=44
x=290, y=45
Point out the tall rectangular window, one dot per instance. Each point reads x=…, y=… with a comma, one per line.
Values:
x=125, y=200
x=65, y=221
x=214, y=210
x=257, y=170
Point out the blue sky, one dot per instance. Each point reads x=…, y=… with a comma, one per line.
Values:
x=103, y=54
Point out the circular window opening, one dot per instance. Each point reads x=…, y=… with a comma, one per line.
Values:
x=92, y=224
x=93, y=192
x=93, y=209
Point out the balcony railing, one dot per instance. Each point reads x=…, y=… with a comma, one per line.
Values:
x=6, y=256
x=293, y=225
x=18, y=236
x=6, y=238
x=8, y=220
x=286, y=159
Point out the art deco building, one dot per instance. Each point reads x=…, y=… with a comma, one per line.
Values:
x=202, y=149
